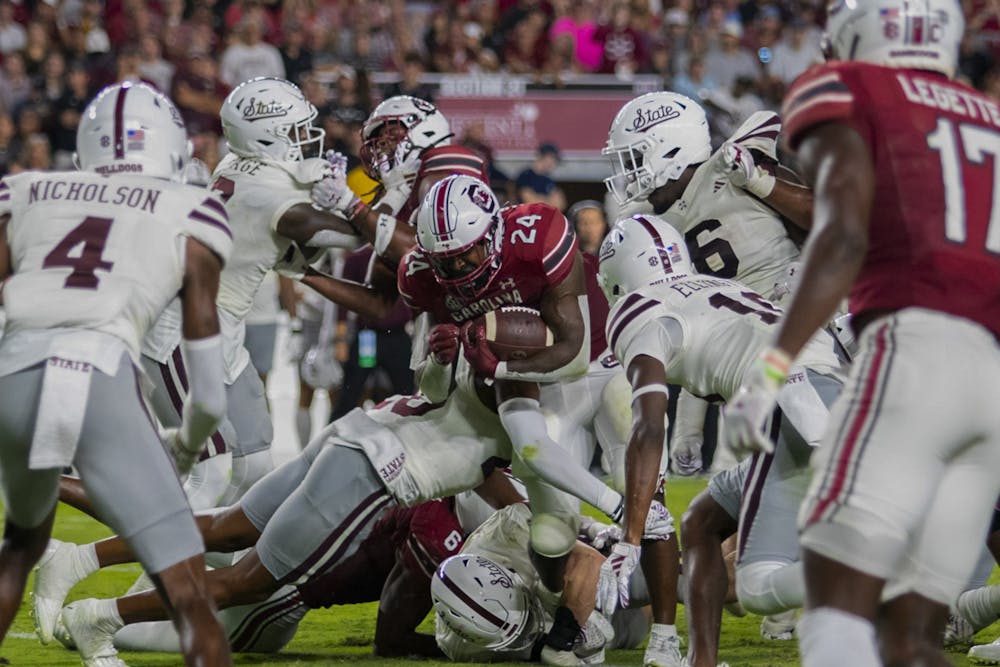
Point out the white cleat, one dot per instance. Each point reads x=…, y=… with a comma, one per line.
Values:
x=986, y=654
x=662, y=651
x=62, y=635
x=93, y=633
x=958, y=631
x=552, y=656
x=55, y=576
x=779, y=627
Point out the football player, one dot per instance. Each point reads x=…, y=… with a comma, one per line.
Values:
x=90, y=259
x=490, y=605
x=670, y=325
x=265, y=183
x=393, y=565
x=902, y=164
x=483, y=257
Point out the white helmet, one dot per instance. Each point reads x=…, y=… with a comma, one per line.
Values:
x=639, y=251
x=485, y=603
x=131, y=128
x=270, y=118
x=458, y=213
x=915, y=34
x=398, y=127
x=652, y=140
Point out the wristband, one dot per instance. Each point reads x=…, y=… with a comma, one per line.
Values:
x=774, y=364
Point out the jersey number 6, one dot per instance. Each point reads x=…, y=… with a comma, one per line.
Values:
x=719, y=247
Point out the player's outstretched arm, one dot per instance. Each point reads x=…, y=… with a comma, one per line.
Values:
x=497, y=490
x=405, y=601
x=372, y=302
x=837, y=162
x=309, y=226
x=793, y=201
x=205, y=404
x=564, y=310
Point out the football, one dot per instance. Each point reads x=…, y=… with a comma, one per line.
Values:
x=515, y=332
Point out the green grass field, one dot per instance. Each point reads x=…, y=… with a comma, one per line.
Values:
x=344, y=634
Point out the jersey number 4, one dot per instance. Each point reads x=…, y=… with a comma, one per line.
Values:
x=977, y=143
x=92, y=233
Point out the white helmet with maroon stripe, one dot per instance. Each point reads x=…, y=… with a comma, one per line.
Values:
x=640, y=251
x=399, y=127
x=131, y=128
x=486, y=603
x=269, y=118
x=457, y=214
x=652, y=140
x=915, y=34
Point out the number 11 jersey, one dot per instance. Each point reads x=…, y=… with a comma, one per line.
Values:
x=101, y=253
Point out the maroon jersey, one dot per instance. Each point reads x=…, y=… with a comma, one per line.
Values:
x=538, y=251
x=597, y=303
x=936, y=151
x=447, y=160
x=420, y=537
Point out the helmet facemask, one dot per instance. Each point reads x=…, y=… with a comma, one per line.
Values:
x=473, y=283
x=304, y=138
x=381, y=147
x=631, y=179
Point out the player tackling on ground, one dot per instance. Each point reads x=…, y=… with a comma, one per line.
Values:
x=904, y=167
x=90, y=259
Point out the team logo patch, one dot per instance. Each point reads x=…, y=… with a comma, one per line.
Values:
x=255, y=109
x=500, y=578
x=482, y=198
x=424, y=105
x=451, y=303
x=650, y=117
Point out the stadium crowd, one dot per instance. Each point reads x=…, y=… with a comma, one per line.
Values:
x=57, y=53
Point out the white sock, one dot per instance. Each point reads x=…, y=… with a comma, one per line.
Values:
x=85, y=561
x=832, y=638
x=303, y=425
x=108, y=617
x=663, y=630
x=980, y=606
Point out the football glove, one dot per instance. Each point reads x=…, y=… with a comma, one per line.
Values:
x=477, y=351
x=743, y=171
x=748, y=412
x=443, y=343
x=612, y=582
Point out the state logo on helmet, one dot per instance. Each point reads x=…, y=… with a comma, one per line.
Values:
x=640, y=251
x=652, y=140
x=914, y=34
x=486, y=603
x=132, y=128
x=270, y=119
x=398, y=128
x=458, y=215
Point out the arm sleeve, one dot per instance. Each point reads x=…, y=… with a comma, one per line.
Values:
x=205, y=404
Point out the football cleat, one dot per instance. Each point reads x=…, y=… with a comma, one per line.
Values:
x=986, y=654
x=662, y=651
x=779, y=627
x=93, y=633
x=553, y=656
x=55, y=575
x=958, y=631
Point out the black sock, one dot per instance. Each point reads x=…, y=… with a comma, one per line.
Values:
x=564, y=630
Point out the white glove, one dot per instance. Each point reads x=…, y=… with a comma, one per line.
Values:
x=612, y=583
x=184, y=455
x=398, y=181
x=600, y=535
x=659, y=522
x=685, y=454
x=332, y=192
x=744, y=173
x=748, y=412
x=293, y=263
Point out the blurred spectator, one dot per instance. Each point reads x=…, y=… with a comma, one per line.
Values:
x=590, y=223
x=794, y=54
x=729, y=60
x=534, y=183
x=199, y=94
x=524, y=51
x=730, y=109
x=579, y=24
x=7, y=133
x=296, y=56
x=694, y=82
x=66, y=112
x=51, y=85
x=152, y=66
x=12, y=34
x=127, y=67
x=409, y=84
x=623, y=51
x=36, y=49
x=15, y=86
x=37, y=153
x=248, y=56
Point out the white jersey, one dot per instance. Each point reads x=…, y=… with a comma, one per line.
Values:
x=707, y=331
x=731, y=233
x=256, y=194
x=103, y=254
x=423, y=450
